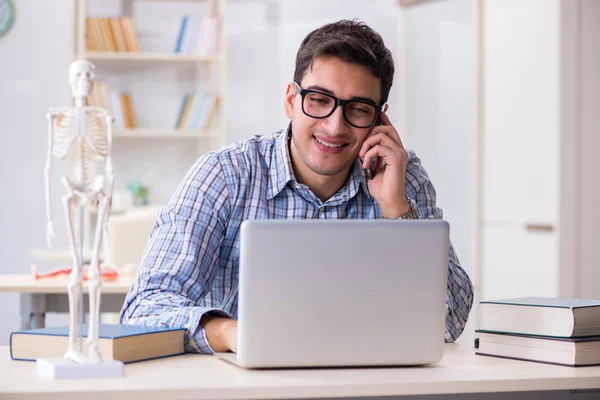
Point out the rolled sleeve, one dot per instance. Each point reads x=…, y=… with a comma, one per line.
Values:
x=459, y=293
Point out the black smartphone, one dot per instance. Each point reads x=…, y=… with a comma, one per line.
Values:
x=370, y=172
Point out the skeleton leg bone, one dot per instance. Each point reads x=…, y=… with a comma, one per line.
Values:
x=74, y=286
x=94, y=283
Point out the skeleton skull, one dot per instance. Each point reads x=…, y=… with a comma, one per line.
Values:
x=81, y=77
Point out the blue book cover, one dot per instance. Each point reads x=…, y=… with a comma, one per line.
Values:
x=181, y=110
x=546, y=302
x=105, y=331
x=181, y=33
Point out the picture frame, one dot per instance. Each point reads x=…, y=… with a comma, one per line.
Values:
x=7, y=16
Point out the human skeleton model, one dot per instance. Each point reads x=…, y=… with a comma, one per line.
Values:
x=82, y=135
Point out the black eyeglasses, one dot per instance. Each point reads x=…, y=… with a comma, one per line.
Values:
x=358, y=113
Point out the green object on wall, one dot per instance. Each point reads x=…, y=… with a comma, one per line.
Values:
x=7, y=16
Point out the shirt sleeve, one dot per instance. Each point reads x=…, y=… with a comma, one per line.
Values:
x=459, y=293
x=180, y=260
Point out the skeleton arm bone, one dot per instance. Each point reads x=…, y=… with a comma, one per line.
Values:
x=50, y=228
x=52, y=116
x=108, y=169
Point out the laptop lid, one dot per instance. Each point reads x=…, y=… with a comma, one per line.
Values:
x=342, y=292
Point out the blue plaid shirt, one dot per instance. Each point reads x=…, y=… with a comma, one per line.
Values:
x=190, y=266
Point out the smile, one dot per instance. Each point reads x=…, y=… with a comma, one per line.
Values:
x=329, y=148
x=334, y=146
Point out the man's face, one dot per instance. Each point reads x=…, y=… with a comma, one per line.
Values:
x=329, y=146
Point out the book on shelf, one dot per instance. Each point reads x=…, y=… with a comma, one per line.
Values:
x=118, y=32
x=198, y=34
x=119, y=105
x=542, y=316
x=197, y=111
x=111, y=34
x=576, y=352
x=126, y=343
x=127, y=110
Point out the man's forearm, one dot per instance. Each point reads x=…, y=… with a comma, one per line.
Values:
x=221, y=333
x=168, y=309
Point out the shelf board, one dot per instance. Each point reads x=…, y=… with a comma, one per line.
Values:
x=164, y=133
x=60, y=255
x=146, y=56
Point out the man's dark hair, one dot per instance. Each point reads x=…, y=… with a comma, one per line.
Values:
x=351, y=41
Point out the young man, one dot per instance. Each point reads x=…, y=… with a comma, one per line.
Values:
x=312, y=169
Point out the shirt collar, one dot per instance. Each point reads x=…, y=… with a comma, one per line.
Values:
x=357, y=180
x=281, y=171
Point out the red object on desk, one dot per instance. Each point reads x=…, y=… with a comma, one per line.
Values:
x=106, y=273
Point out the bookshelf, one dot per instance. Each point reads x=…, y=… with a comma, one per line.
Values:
x=164, y=133
x=96, y=56
x=118, y=60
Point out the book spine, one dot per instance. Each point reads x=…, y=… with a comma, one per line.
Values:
x=182, y=30
x=185, y=44
x=192, y=43
x=116, y=107
x=128, y=108
x=136, y=37
x=117, y=29
x=131, y=37
x=110, y=36
x=181, y=110
x=193, y=119
x=212, y=114
x=90, y=44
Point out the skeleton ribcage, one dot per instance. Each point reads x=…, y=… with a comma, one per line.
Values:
x=82, y=151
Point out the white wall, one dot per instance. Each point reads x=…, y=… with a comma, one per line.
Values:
x=521, y=127
x=439, y=109
x=589, y=86
x=34, y=57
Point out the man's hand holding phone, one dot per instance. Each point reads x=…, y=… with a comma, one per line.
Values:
x=389, y=171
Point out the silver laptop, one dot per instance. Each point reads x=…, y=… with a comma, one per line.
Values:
x=326, y=293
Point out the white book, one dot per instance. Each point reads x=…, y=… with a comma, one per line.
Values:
x=207, y=107
x=195, y=110
x=115, y=105
x=189, y=41
x=542, y=316
x=564, y=351
x=208, y=36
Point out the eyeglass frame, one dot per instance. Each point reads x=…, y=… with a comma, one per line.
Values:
x=338, y=102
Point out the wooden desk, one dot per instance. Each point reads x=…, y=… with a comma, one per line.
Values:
x=50, y=295
x=194, y=376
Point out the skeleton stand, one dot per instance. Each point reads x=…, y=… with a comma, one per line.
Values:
x=83, y=135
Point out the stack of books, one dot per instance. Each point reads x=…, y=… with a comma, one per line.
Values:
x=198, y=34
x=547, y=330
x=111, y=34
x=197, y=111
x=119, y=105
